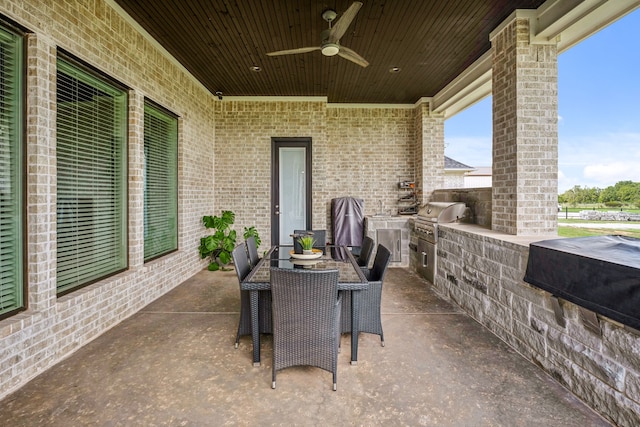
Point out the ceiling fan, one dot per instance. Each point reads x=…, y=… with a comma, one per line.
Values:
x=330, y=45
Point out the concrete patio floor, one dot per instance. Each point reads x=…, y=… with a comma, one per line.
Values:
x=174, y=363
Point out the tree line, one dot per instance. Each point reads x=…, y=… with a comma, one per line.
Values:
x=622, y=193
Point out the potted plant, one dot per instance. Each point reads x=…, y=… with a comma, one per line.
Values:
x=251, y=231
x=307, y=243
x=220, y=244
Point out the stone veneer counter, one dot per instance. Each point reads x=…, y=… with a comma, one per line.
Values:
x=482, y=272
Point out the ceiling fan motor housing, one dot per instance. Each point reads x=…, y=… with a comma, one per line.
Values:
x=330, y=49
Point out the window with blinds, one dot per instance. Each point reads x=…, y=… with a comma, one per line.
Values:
x=11, y=172
x=92, y=177
x=160, y=182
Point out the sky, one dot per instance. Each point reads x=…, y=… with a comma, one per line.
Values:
x=598, y=112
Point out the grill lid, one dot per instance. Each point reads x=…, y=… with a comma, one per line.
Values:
x=442, y=211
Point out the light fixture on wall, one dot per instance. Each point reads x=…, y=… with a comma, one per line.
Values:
x=219, y=95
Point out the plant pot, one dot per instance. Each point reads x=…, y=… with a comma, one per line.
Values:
x=307, y=251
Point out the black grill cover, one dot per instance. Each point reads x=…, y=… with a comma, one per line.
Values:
x=600, y=273
x=347, y=218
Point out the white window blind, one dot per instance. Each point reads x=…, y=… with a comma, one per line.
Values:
x=92, y=177
x=11, y=172
x=160, y=182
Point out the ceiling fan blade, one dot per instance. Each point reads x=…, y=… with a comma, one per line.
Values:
x=349, y=54
x=341, y=25
x=293, y=51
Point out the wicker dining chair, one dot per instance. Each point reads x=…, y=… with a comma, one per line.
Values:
x=306, y=319
x=366, y=249
x=242, y=266
x=252, y=249
x=370, y=299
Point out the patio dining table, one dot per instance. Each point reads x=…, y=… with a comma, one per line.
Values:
x=351, y=279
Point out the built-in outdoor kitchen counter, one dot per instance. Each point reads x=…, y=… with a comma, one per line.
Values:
x=600, y=273
x=595, y=356
x=393, y=232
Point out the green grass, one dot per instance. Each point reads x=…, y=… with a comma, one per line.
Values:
x=582, y=232
x=568, y=231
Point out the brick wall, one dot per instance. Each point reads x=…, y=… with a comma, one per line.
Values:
x=482, y=271
x=372, y=150
x=525, y=132
x=243, y=156
x=53, y=327
x=342, y=138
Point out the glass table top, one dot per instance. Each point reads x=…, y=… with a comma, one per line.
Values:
x=335, y=258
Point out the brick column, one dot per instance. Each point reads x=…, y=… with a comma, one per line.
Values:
x=429, y=152
x=41, y=173
x=525, y=132
x=136, y=179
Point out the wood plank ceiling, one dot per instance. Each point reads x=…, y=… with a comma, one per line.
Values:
x=219, y=41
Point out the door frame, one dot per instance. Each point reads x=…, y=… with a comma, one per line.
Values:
x=276, y=144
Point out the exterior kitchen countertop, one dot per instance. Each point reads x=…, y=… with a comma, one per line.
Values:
x=498, y=235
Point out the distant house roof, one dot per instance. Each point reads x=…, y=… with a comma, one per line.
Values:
x=449, y=163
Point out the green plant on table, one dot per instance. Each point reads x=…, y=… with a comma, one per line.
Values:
x=306, y=242
x=220, y=244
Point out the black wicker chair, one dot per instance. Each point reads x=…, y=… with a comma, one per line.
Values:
x=241, y=263
x=252, y=249
x=369, y=319
x=366, y=249
x=320, y=237
x=306, y=319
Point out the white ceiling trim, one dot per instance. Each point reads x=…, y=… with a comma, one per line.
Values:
x=381, y=106
x=465, y=90
x=322, y=99
x=568, y=27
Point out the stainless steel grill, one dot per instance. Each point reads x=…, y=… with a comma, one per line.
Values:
x=426, y=223
x=426, y=229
